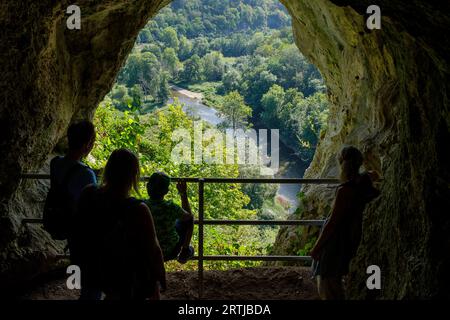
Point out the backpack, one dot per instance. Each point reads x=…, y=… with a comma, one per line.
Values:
x=59, y=207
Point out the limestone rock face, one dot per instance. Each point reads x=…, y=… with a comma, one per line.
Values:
x=51, y=76
x=389, y=96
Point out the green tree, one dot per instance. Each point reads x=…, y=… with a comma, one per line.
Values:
x=213, y=66
x=152, y=48
x=200, y=46
x=257, y=81
x=164, y=89
x=169, y=38
x=235, y=111
x=119, y=91
x=145, y=36
x=137, y=95
x=120, y=97
x=149, y=73
x=185, y=48
x=311, y=114
x=171, y=62
x=192, y=71
x=272, y=102
x=231, y=81
x=143, y=69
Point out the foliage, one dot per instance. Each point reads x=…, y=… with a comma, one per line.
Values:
x=150, y=137
x=235, y=111
x=303, y=117
x=218, y=18
x=242, y=57
x=213, y=66
x=192, y=71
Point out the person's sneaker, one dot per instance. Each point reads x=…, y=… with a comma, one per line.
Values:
x=185, y=254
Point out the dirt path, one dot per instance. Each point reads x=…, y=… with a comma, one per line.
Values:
x=271, y=283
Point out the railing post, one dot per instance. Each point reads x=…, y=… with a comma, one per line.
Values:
x=200, y=236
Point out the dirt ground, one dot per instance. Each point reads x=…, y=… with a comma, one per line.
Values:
x=269, y=283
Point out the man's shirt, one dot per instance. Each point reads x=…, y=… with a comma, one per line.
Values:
x=78, y=180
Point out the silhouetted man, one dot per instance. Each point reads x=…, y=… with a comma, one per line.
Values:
x=69, y=176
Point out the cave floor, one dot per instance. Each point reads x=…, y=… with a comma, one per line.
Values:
x=262, y=283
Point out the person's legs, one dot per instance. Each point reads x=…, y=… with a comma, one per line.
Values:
x=330, y=288
x=182, y=230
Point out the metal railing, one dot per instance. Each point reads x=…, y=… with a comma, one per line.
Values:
x=201, y=222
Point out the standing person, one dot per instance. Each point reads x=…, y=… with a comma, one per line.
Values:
x=115, y=239
x=341, y=234
x=68, y=176
x=174, y=224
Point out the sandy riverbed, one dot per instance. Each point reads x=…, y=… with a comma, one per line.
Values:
x=186, y=93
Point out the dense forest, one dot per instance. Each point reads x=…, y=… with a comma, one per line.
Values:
x=240, y=55
x=223, y=47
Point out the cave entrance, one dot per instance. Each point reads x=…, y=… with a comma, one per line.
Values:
x=388, y=95
x=211, y=70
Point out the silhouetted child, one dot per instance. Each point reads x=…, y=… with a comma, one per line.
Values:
x=341, y=234
x=174, y=224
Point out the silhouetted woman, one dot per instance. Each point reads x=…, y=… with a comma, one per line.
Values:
x=116, y=245
x=340, y=237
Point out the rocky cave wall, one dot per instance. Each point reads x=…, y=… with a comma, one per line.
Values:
x=388, y=90
x=389, y=96
x=51, y=76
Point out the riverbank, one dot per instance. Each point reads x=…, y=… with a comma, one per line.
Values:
x=186, y=93
x=291, y=166
x=207, y=89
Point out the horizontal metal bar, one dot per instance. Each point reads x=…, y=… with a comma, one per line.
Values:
x=236, y=222
x=265, y=222
x=46, y=176
x=254, y=258
x=237, y=258
x=220, y=180
x=268, y=180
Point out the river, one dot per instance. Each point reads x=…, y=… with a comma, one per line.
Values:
x=291, y=166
